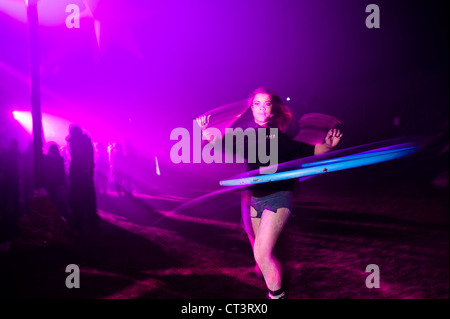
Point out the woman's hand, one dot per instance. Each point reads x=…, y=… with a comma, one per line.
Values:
x=203, y=121
x=333, y=137
x=331, y=140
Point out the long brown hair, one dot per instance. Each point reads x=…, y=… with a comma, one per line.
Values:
x=282, y=115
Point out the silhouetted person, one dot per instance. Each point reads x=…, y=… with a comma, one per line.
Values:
x=10, y=202
x=3, y=197
x=102, y=169
x=82, y=197
x=132, y=167
x=55, y=178
x=119, y=170
x=28, y=177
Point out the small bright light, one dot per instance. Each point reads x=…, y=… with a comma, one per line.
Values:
x=158, y=172
x=288, y=99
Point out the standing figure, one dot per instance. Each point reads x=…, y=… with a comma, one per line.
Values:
x=82, y=196
x=119, y=170
x=102, y=169
x=55, y=178
x=266, y=207
x=10, y=192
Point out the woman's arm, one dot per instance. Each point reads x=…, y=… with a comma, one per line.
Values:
x=203, y=122
x=331, y=140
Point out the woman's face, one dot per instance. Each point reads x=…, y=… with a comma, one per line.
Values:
x=262, y=108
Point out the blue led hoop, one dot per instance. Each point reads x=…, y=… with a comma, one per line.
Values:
x=358, y=156
x=327, y=166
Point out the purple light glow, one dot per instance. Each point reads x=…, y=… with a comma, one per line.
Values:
x=135, y=70
x=51, y=12
x=24, y=118
x=55, y=129
x=15, y=8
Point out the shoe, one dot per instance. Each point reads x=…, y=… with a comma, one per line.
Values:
x=279, y=294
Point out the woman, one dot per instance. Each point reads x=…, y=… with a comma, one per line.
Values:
x=270, y=204
x=55, y=178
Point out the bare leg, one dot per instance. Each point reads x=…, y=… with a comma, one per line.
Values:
x=268, y=230
x=251, y=236
x=246, y=213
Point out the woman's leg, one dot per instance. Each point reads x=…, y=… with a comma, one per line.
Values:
x=246, y=213
x=254, y=223
x=245, y=216
x=267, y=231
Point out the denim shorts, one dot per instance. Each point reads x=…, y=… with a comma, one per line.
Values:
x=272, y=202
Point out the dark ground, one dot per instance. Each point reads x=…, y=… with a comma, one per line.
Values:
x=380, y=216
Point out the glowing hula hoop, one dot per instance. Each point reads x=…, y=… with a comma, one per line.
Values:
x=358, y=156
x=327, y=166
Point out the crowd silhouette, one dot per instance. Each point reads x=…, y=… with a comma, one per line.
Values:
x=75, y=175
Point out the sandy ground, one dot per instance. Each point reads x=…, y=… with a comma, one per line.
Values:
x=144, y=250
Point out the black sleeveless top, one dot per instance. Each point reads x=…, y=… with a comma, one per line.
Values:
x=288, y=150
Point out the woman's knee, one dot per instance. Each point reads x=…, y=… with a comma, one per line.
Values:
x=262, y=254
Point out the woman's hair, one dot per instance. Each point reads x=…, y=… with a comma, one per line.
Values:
x=281, y=114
